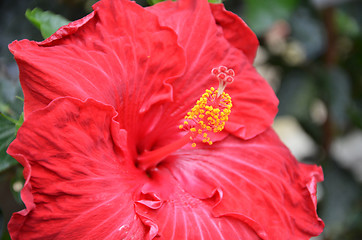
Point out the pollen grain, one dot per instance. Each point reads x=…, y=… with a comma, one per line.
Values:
x=212, y=110
x=209, y=114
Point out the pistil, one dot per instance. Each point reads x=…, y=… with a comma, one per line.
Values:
x=209, y=114
x=152, y=158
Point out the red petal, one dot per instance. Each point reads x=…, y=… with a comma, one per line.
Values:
x=259, y=179
x=179, y=215
x=207, y=45
x=236, y=31
x=79, y=181
x=254, y=104
x=119, y=55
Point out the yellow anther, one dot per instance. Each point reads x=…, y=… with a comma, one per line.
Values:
x=208, y=115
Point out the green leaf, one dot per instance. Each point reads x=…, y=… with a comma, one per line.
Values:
x=19, y=122
x=261, y=14
x=346, y=24
x=215, y=1
x=153, y=2
x=20, y=98
x=10, y=119
x=7, y=135
x=46, y=21
x=9, y=128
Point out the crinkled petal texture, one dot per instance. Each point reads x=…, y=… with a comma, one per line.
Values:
x=209, y=40
x=236, y=31
x=134, y=58
x=81, y=183
x=119, y=55
x=257, y=182
x=105, y=89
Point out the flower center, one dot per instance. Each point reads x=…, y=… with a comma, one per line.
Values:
x=209, y=115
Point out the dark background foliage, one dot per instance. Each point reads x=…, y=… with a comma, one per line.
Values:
x=311, y=53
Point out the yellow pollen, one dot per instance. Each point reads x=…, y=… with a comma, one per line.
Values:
x=209, y=114
x=212, y=110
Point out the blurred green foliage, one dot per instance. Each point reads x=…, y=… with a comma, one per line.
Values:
x=311, y=52
x=46, y=21
x=262, y=14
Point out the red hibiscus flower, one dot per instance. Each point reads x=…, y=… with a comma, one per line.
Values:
x=121, y=140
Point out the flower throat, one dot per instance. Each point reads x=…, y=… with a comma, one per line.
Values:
x=209, y=115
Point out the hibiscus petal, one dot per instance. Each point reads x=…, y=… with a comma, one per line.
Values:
x=119, y=55
x=179, y=215
x=260, y=181
x=207, y=45
x=79, y=182
x=236, y=31
x=254, y=104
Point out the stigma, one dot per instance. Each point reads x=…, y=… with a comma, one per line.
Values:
x=212, y=110
x=209, y=115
